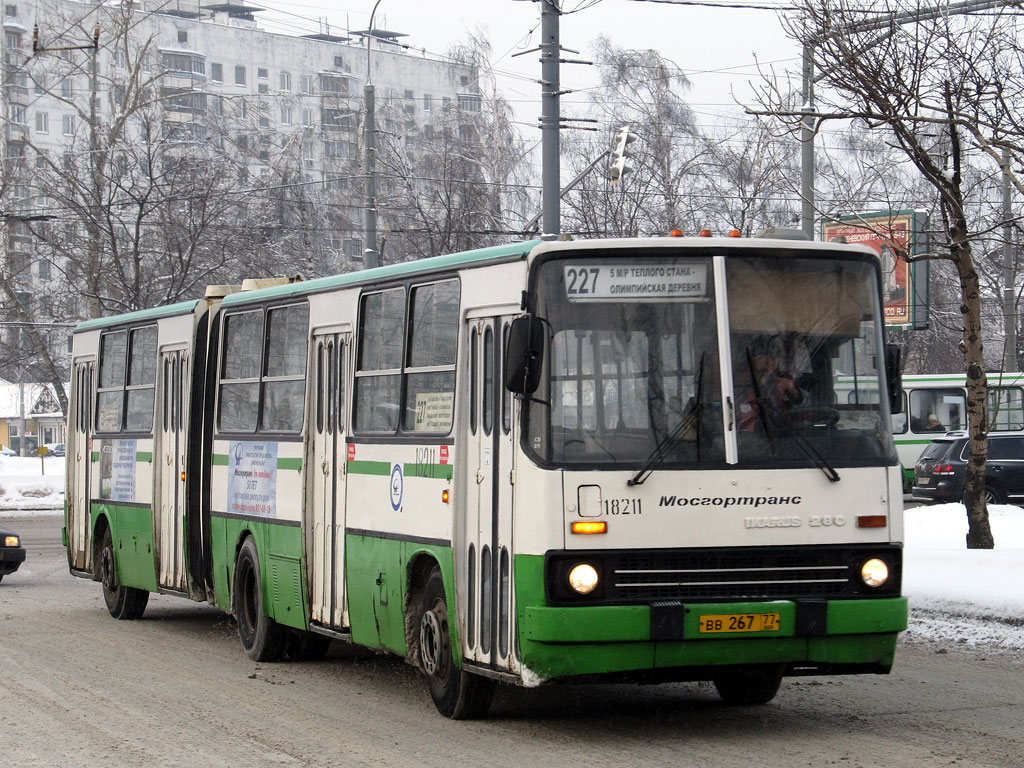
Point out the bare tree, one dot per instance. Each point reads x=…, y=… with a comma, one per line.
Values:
x=747, y=183
x=459, y=181
x=144, y=200
x=723, y=178
x=641, y=90
x=943, y=90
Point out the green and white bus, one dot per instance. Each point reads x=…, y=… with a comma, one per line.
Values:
x=933, y=404
x=538, y=462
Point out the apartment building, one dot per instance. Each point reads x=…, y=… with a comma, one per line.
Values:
x=216, y=82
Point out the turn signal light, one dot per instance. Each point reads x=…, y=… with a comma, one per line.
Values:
x=871, y=521
x=444, y=496
x=589, y=526
x=183, y=477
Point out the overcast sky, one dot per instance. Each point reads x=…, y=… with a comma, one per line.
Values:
x=716, y=47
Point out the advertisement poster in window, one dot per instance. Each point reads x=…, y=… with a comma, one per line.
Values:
x=117, y=470
x=891, y=234
x=252, y=478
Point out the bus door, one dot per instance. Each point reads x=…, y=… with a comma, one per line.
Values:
x=171, y=467
x=485, y=566
x=80, y=457
x=325, y=511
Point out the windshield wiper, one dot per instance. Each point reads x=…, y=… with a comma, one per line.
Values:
x=772, y=428
x=812, y=453
x=666, y=444
x=690, y=419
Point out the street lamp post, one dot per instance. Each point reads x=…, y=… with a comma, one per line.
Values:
x=371, y=257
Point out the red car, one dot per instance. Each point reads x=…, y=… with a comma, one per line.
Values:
x=12, y=554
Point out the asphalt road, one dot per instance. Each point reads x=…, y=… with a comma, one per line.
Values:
x=174, y=689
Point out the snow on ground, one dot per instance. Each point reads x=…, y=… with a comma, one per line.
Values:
x=30, y=485
x=968, y=597
x=971, y=597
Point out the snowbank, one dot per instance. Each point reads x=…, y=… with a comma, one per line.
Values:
x=31, y=485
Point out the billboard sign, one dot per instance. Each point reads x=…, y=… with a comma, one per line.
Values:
x=890, y=234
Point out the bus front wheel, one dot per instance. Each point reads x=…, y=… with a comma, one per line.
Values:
x=122, y=602
x=263, y=639
x=456, y=693
x=746, y=687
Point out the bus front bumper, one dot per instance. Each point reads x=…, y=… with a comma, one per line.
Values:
x=665, y=641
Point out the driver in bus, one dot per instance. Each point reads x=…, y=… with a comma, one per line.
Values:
x=770, y=391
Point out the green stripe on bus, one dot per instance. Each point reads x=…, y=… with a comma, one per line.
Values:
x=221, y=460
x=369, y=467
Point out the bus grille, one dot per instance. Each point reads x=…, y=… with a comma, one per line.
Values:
x=754, y=573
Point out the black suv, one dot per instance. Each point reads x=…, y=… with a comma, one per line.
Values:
x=940, y=472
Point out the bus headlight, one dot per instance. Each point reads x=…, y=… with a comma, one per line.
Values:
x=874, y=572
x=583, y=578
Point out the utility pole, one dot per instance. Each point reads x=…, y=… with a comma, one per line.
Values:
x=807, y=128
x=1009, y=292
x=550, y=51
x=371, y=257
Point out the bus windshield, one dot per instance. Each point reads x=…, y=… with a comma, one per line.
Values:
x=642, y=367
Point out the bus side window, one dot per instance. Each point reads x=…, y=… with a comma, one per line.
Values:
x=379, y=363
x=946, y=406
x=284, y=374
x=1005, y=409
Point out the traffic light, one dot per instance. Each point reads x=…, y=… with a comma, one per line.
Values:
x=618, y=167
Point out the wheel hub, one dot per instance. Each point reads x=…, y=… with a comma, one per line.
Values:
x=107, y=569
x=430, y=642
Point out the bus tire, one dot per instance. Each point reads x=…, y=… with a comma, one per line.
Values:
x=747, y=687
x=263, y=639
x=122, y=602
x=456, y=693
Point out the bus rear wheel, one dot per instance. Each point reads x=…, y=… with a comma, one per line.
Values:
x=122, y=602
x=747, y=687
x=456, y=693
x=263, y=639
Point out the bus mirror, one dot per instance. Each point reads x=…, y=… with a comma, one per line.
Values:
x=894, y=377
x=524, y=355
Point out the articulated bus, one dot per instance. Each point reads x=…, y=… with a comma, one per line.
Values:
x=618, y=460
x=936, y=403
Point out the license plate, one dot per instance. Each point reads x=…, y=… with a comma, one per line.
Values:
x=739, y=622
x=924, y=480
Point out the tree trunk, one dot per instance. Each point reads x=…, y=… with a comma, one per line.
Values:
x=979, y=533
